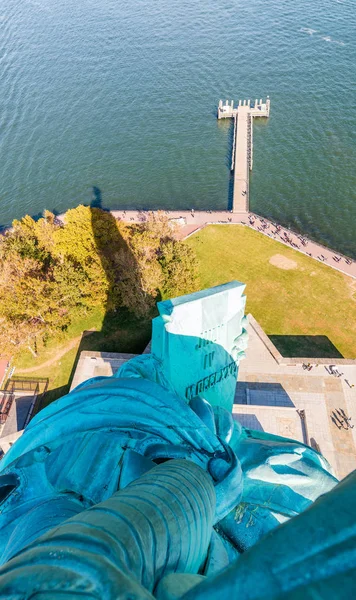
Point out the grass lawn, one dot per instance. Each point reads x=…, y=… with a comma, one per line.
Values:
x=291, y=295
x=92, y=320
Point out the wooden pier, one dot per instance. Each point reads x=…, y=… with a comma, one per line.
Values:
x=242, y=148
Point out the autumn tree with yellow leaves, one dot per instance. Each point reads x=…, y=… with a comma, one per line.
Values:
x=50, y=270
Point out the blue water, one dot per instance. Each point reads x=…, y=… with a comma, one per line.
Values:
x=122, y=96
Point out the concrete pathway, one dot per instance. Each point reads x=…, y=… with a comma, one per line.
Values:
x=240, y=200
x=318, y=392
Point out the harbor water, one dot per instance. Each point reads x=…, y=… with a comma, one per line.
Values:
x=116, y=101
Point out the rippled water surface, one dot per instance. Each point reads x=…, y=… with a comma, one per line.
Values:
x=122, y=96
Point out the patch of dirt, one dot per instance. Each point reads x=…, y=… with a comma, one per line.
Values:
x=282, y=262
x=351, y=283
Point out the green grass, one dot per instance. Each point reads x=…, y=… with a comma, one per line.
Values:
x=59, y=375
x=118, y=333
x=81, y=322
x=311, y=299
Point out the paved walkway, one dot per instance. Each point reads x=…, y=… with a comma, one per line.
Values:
x=191, y=221
x=240, y=200
x=318, y=392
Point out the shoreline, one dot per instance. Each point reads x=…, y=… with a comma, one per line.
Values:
x=191, y=222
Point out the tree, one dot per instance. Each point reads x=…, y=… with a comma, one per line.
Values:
x=49, y=270
x=16, y=335
x=179, y=269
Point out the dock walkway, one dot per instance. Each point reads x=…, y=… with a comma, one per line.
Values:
x=240, y=201
x=242, y=150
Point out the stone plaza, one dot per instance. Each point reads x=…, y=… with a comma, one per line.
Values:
x=279, y=396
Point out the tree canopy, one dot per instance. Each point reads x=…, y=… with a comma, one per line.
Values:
x=51, y=269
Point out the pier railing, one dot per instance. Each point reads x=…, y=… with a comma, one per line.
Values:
x=233, y=146
x=242, y=145
x=257, y=108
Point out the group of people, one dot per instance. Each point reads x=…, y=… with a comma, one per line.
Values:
x=332, y=370
x=283, y=235
x=274, y=231
x=340, y=419
x=192, y=212
x=287, y=237
x=338, y=416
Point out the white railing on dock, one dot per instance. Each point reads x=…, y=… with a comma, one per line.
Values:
x=242, y=145
x=233, y=146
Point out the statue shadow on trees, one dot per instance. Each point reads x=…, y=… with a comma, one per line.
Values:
x=123, y=330
x=122, y=268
